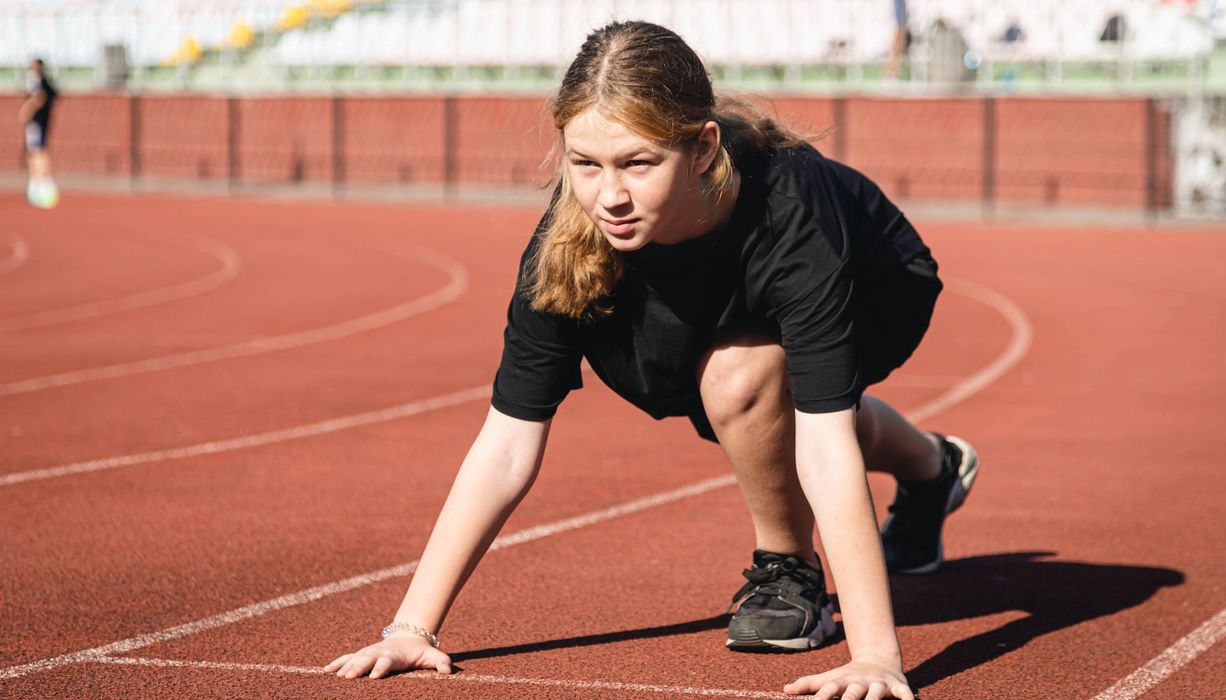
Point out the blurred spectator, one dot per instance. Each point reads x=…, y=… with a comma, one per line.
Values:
x=1013, y=33
x=902, y=40
x=35, y=115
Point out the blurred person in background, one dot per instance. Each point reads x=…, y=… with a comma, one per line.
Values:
x=35, y=116
x=902, y=41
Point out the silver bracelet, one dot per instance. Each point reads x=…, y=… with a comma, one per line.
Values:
x=407, y=627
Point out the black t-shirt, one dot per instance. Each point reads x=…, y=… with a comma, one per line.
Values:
x=806, y=232
x=42, y=117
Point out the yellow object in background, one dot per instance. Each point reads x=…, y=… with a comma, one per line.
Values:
x=241, y=36
x=329, y=8
x=293, y=17
x=188, y=52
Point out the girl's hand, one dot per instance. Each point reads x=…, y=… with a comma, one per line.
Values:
x=389, y=656
x=865, y=678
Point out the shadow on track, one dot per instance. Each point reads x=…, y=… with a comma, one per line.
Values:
x=711, y=623
x=1056, y=594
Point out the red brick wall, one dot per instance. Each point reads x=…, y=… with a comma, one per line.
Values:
x=503, y=140
x=393, y=139
x=923, y=149
x=1090, y=151
x=1066, y=150
x=180, y=136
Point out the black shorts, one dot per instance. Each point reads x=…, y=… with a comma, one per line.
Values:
x=36, y=136
x=892, y=317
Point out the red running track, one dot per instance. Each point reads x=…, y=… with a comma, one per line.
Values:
x=214, y=492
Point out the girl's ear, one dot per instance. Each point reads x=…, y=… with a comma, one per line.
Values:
x=706, y=147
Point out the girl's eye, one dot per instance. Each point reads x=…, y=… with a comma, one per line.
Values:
x=639, y=164
x=584, y=163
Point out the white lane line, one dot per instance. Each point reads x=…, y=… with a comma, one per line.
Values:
x=228, y=270
x=312, y=594
x=215, y=665
x=923, y=381
x=297, y=432
x=1018, y=323
x=456, y=284
x=19, y=255
x=577, y=684
x=1175, y=657
x=1019, y=344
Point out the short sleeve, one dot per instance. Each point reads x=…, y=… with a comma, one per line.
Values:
x=818, y=336
x=540, y=357
x=809, y=278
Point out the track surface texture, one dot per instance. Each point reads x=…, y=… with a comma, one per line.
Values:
x=226, y=427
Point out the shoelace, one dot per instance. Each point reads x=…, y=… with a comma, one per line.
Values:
x=772, y=579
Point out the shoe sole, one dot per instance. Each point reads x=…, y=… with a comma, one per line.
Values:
x=748, y=639
x=968, y=471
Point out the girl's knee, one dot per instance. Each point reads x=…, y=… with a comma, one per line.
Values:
x=737, y=378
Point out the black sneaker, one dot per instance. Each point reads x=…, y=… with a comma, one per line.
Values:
x=783, y=607
x=911, y=535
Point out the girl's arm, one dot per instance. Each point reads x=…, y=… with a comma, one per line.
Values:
x=500, y=466
x=33, y=103
x=831, y=471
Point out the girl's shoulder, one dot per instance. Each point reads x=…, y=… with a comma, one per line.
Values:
x=803, y=173
x=798, y=172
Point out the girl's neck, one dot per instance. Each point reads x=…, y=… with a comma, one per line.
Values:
x=715, y=216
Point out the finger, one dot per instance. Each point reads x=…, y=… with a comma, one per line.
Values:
x=349, y=667
x=902, y=691
x=876, y=691
x=855, y=691
x=799, y=686
x=443, y=665
x=806, y=684
x=828, y=691
x=382, y=665
x=337, y=663
x=357, y=666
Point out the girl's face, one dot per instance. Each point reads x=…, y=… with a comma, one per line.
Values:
x=635, y=190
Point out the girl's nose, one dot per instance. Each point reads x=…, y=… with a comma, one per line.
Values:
x=613, y=193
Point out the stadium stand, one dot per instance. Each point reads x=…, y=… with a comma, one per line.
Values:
x=1168, y=51
x=476, y=33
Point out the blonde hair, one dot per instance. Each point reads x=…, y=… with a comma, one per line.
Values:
x=647, y=78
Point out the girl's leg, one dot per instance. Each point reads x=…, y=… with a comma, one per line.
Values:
x=891, y=444
x=744, y=390
x=40, y=164
x=784, y=603
x=934, y=475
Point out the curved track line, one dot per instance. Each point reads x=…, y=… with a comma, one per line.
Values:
x=17, y=258
x=1018, y=322
x=1175, y=657
x=456, y=284
x=1018, y=344
x=301, y=431
x=454, y=678
x=228, y=270
x=360, y=581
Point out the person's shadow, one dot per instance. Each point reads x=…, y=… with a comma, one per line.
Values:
x=1056, y=594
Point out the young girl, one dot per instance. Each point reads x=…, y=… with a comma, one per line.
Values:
x=709, y=264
